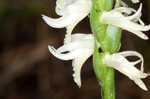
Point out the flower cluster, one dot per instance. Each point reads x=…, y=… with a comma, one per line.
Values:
x=79, y=47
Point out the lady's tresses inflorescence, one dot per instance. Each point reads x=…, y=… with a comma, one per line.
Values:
x=80, y=47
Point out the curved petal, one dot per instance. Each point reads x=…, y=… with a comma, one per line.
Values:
x=120, y=63
x=125, y=10
x=136, y=15
x=76, y=45
x=81, y=37
x=61, y=6
x=119, y=20
x=129, y=23
x=78, y=63
x=78, y=41
x=59, y=22
x=134, y=53
x=77, y=37
x=72, y=12
x=141, y=84
x=81, y=10
x=140, y=34
x=67, y=56
x=79, y=50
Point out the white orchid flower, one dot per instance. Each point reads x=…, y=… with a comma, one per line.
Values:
x=79, y=50
x=119, y=62
x=71, y=12
x=120, y=18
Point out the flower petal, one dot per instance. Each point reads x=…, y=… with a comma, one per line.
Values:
x=59, y=22
x=141, y=84
x=78, y=63
x=129, y=23
x=78, y=41
x=79, y=50
x=72, y=12
x=134, y=53
x=120, y=63
x=67, y=56
x=137, y=14
x=76, y=45
x=81, y=37
x=61, y=6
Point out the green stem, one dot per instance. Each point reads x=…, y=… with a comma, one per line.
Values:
x=105, y=75
x=108, y=37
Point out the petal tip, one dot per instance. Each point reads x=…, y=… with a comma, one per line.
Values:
x=140, y=83
x=144, y=88
x=49, y=47
x=78, y=82
x=146, y=37
x=44, y=17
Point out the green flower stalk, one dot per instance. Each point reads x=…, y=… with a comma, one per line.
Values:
x=109, y=38
x=105, y=75
x=107, y=23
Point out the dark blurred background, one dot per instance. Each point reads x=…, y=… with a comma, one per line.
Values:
x=29, y=71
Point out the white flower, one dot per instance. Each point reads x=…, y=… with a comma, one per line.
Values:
x=79, y=50
x=71, y=12
x=120, y=63
x=120, y=17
